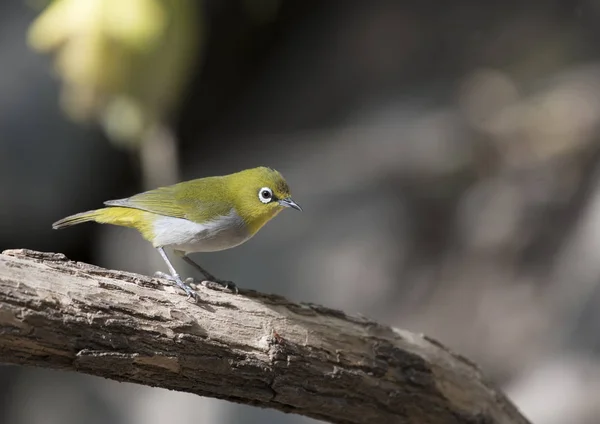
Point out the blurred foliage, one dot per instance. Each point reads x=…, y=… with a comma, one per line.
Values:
x=122, y=64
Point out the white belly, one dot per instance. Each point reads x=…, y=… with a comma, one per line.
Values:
x=220, y=234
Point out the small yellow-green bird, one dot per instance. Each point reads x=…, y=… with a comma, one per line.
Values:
x=201, y=215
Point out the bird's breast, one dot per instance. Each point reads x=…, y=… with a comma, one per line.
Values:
x=221, y=233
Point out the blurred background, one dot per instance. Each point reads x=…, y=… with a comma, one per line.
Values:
x=446, y=154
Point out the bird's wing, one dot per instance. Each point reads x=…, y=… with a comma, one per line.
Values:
x=191, y=201
x=160, y=201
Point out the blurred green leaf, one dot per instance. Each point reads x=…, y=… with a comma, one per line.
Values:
x=123, y=64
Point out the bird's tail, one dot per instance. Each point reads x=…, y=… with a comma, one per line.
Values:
x=77, y=219
x=125, y=217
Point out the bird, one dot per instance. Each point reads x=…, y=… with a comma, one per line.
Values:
x=201, y=215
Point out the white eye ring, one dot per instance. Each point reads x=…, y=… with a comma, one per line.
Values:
x=265, y=195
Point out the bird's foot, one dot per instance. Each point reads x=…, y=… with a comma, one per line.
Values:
x=229, y=285
x=177, y=280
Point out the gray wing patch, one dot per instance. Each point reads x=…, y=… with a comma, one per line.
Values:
x=118, y=202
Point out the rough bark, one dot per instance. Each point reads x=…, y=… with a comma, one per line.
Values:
x=249, y=348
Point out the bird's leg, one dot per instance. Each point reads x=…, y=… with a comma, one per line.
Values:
x=174, y=277
x=227, y=284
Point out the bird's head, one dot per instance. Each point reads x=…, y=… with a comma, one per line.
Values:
x=260, y=194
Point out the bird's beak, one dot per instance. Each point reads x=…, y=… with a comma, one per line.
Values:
x=289, y=203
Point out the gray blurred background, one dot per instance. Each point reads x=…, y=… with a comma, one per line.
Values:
x=446, y=155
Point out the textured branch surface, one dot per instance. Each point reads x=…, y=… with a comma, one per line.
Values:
x=249, y=348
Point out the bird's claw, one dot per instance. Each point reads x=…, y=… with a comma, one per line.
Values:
x=177, y=281
x=228, y=285
x=185, y=285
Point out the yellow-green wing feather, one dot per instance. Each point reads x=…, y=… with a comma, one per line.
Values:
x=198, y=200
x=160, y=201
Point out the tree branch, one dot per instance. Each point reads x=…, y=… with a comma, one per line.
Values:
x=250, y=348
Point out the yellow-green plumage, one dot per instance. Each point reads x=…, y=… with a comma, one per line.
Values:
x=197, y=200
x=124, y=217
x=206, y=214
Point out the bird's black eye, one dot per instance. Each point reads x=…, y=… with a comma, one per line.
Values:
x=265, y=195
